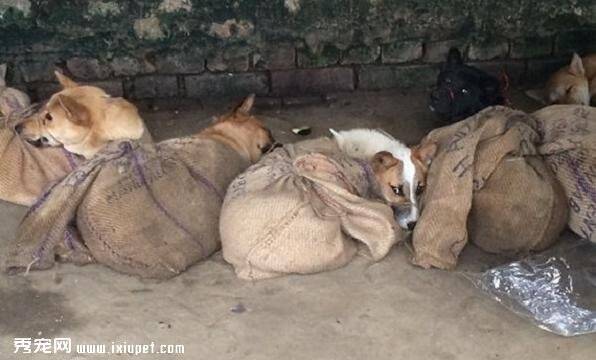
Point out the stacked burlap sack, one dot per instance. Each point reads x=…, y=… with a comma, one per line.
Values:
x=492, y=182
x=25, y=170
x=142, y=209
x=568, y=144
x=302, y=209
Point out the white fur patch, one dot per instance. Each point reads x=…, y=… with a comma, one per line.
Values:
x=365, y=143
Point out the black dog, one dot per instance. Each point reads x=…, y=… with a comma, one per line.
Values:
x=462, y=90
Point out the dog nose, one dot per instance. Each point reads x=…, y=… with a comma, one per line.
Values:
x=411, y=225
x=19, y=128
x=270, y=147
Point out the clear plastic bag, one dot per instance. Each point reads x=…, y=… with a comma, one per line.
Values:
x=555, y=289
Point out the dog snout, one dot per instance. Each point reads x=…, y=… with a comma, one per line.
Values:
x=411, y=225
x=271, y=146
x=19, y=128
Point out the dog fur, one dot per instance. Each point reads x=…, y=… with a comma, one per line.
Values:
x=241, y=131
x=400, y=170
x=83, y=119
x=573, y=84
x=462, y=90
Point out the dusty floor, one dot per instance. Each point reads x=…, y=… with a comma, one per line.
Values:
x=387, y=310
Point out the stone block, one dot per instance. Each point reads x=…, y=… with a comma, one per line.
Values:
x=155, y=86
x=312, y=81
x=394, y=76
x=531, y=47
x=87, y=68
x=214, y=85
x=361, y=55
x=402, y=51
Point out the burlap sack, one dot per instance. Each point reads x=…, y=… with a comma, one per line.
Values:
x=300, y=210
x=145, y=210
x=487, y=184
x=25, y=170
x=568, y=144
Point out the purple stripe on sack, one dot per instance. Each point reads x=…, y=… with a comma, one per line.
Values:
x=70, y=158
x=68, y=239
x=42, y=247
x=208, y=184
x=40, y=200
x=580, y=178
x=141, y=176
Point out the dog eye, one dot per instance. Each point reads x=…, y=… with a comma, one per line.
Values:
x=48, y=117
x=569, y=89
x=419, y=189
x=398, y=190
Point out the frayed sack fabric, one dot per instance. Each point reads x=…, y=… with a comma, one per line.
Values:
x=568, y=145
x=141, y=209
x=27, y=171
x=488, y=184
x=303, y=209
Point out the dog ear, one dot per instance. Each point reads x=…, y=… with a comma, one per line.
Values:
x=246, y=105
x=577, y=66
x=75, y=112
x=454, y=57
x=384, y=160
x=538, y=95
x=3, y=75
x=64, y=80
x=425, y=152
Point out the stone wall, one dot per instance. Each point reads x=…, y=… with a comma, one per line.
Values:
x=191, y=48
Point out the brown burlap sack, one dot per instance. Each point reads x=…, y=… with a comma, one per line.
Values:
x=487, y=183
x=568, y=145
x=25, y=170
x=140, y=209
x=299, y=210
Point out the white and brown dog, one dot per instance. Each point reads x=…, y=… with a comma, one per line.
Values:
x=403, y=169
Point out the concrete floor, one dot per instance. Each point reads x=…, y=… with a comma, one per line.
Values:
x=385, y=310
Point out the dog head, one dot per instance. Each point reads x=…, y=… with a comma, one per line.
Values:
x=402, y=181
x=463, y=90
x=244, y=132
x=72, y=114
x=569, y=85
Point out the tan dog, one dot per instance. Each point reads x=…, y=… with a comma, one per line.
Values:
x=573, y=84
x=82, y=119
x=242, y=132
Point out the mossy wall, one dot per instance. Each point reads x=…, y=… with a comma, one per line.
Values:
x=124, y=39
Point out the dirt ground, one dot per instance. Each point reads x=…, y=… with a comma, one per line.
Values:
x=385, y=310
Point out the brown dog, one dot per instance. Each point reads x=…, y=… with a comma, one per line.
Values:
x=573, y=84
x=82, y=119
x=241, y=131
